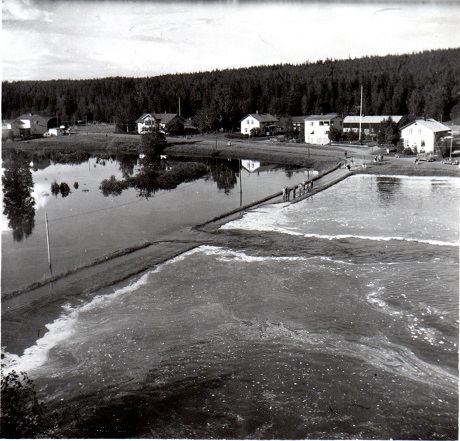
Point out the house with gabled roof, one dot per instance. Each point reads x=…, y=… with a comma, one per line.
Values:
x=265, y=122
x=149, y=121
x=317, y=127
x=422, y=135
x=30, y=124
x=370, y=124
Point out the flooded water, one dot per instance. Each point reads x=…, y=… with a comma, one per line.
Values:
x=85, y=224
x=338, y=319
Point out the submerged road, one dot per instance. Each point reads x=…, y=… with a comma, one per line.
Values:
x=28, y=312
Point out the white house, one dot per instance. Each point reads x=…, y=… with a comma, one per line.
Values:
x=317, y=127
x=31, y=124
x=423, y=135
x=263, y=121
x=148, y=121
x=370, y=124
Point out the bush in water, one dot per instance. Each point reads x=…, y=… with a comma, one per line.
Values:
x=65, y=189
x=112, y=187
x=55, y=189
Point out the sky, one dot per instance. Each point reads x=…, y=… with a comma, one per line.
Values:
x=79, y=39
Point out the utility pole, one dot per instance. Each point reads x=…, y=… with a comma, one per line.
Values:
x=241, y=187
x=48, y=243
x=360, y=113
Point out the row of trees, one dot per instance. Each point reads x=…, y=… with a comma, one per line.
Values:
x=420, y=84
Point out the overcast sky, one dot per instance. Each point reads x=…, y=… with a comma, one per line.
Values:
x=93, y=39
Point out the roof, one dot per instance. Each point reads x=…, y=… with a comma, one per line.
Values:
x=293, y=119
x=371, y=119
x=326, y=117
x=431, y=124
x=164, y=118
x=262, y=117
x=33, y=117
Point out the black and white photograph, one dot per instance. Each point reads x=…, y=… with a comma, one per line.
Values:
x=230, y=219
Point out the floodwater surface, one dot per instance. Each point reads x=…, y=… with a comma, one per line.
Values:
x=85, y=225
x=350, y=332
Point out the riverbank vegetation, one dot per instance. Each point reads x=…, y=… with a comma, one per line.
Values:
x=418, y=84
x=18, y=202
x=21, y=411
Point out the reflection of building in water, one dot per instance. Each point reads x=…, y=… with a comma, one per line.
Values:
x=250, y=165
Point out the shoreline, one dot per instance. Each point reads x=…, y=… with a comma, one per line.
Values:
x=82, y=284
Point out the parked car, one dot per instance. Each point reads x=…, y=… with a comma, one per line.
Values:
x=426, y=158
x=450, y=162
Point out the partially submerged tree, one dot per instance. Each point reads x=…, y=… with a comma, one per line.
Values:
x=18, y=202
x=153, y=144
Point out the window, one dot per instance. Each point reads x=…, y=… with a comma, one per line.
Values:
x=321, y=123
x=311, y=123
x=419, y=131
x=410, y=131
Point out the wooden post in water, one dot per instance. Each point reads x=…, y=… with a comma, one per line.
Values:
x=48, y=243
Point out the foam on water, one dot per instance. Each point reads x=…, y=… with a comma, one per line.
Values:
x=377, y=351
x=60, y=330
x=369, y=215
x=253, y=222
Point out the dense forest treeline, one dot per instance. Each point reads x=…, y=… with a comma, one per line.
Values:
x=425, y=84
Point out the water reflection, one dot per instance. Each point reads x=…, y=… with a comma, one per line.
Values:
x=387, y=189
x=168, y=174
x=126, y=164
x=224, y=173
x=18, y=203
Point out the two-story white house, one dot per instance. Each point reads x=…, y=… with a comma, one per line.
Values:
x=30, y=124
x=370, y=124
x=423, y=134
x=149, y=121
x=263, y=121
x=317, y=127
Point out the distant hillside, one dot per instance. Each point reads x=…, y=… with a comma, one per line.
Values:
x=421, y=84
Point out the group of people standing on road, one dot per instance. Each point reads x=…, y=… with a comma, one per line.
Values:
x=301, y=189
